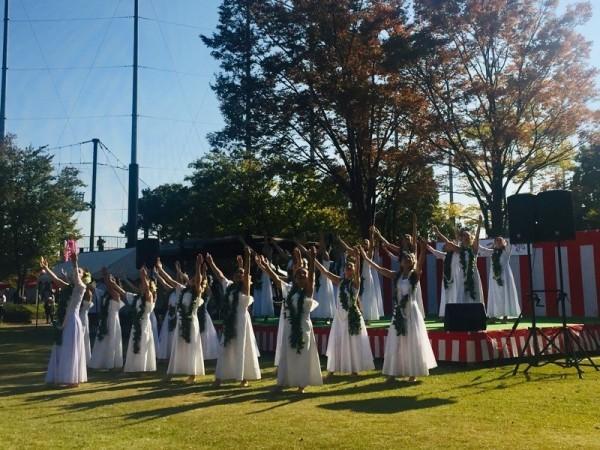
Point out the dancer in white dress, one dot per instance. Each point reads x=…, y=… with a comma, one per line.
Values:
x=348, y=348
x=67, y=365
x=408, y=352
x=238, y=352
x=165, y=339
x=502, y=300
x=324, y=293
x=368, y=294
x=186, y=354
x=86, y=304
x=407, y=244
x=299, y=364
x=208, y=333
x=141, y=352
x=107, y=352
x=466, y=278
x=448, y=288
x=263, y=296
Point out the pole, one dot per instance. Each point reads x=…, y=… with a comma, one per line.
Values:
x=132, y=210
x=95, y=141
x=4, y=56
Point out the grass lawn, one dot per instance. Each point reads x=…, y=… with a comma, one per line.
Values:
x=456, y=407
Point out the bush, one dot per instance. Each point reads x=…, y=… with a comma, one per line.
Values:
x=17, y=314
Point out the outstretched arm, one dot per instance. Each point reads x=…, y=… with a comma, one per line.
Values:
x=246, y=262
x=434, y=252
x=346, y=246
x=263, y=263
x=382, y=270
x=214, y=268
x=198, y=278
x=162, y=273
x=451, y=245
x=310, y=288
x=44, y=265
x=476, y=242
x=357, y=270
x=420, y=249
x=321, y=268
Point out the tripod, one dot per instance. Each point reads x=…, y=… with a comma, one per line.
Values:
x=572, y=342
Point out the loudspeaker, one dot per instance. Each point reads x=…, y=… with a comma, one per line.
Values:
x=521, y=218
x=465, y=317
x=554, y=216
x=146, y=253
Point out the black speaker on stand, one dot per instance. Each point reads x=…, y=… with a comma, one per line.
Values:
x=146, y=253
x=553, y=221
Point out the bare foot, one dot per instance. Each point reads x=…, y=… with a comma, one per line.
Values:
x=412, y=379
x=217, y=383
x=300, y=390
x=329, y=376
x=190, y=380
x=244, y=383
x=354, y=374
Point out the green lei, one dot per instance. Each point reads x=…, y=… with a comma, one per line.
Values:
x=448, y=269
x=61, y=311
x=468, y=269
x=229, y=311
x=294, y=315
x=171, y=314
x=496, y=266
x=185, y=314
x=349, y=304
x=138, y=314
x=103, y=322
x=399, y=319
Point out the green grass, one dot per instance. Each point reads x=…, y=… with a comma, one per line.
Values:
x=456, y=407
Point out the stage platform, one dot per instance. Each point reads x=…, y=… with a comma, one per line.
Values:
x=495, y=344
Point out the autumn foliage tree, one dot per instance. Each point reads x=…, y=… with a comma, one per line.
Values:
x=507, y=86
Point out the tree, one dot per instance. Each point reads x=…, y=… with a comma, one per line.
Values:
x=164, y=210
x=241, y=87
x=340, y=107
x=36, y=208
x=507, y=85
x=586, y=188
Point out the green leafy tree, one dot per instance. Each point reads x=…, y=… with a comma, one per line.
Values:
x=586, y=188
x=37, y=208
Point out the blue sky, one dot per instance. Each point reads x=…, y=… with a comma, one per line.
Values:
x=67, y=84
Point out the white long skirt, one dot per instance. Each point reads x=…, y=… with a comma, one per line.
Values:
x=85, y=323
x=186, y=358
x=410, y=355
x=238, y=360
x=67, y=363
x=304, y=368
x=209, y=339
x=345, y=353
x=263, y=298
x=108, y=352
x=145, y=359
x=165, y=340
x=503, y=300
x=325, y=297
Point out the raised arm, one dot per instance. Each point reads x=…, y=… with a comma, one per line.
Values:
x=476, y=241
x=44, y=266
x=346, y=246
x=214, y=268
x=246, y=264
x=168, y=279
x=421, y=253
x=283, y=253
x=382, y=270
x=321, y=268
x=485, y=251
x=435, y=252
x=130, y=286
x=387, y=244
x=198, y=278
x=263, y=263
x=357, y=270
x=451, y=244
x=310, y=288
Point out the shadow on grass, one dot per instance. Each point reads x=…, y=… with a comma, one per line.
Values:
x=387, y=405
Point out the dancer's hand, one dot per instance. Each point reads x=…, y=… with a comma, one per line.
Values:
x=43, y=263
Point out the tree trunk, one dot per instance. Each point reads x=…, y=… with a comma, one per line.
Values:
x=496, y=209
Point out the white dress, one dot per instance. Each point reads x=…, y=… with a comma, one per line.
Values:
x=324, y=297
x=165, y=340
x=145, y=359
x=368, y=299
x=67, y=363
x=299, y=368
x=154, y=324
x=263, y=298
x=448, y=294
x=238, y=360
x=208, y=335
x=408, y=355
x=348, y=353
x=85, y=323
x=377, y=281
x=107, y=352
x=462, y=296
x=503, y=300
x=396, y=266
x=186, y=357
